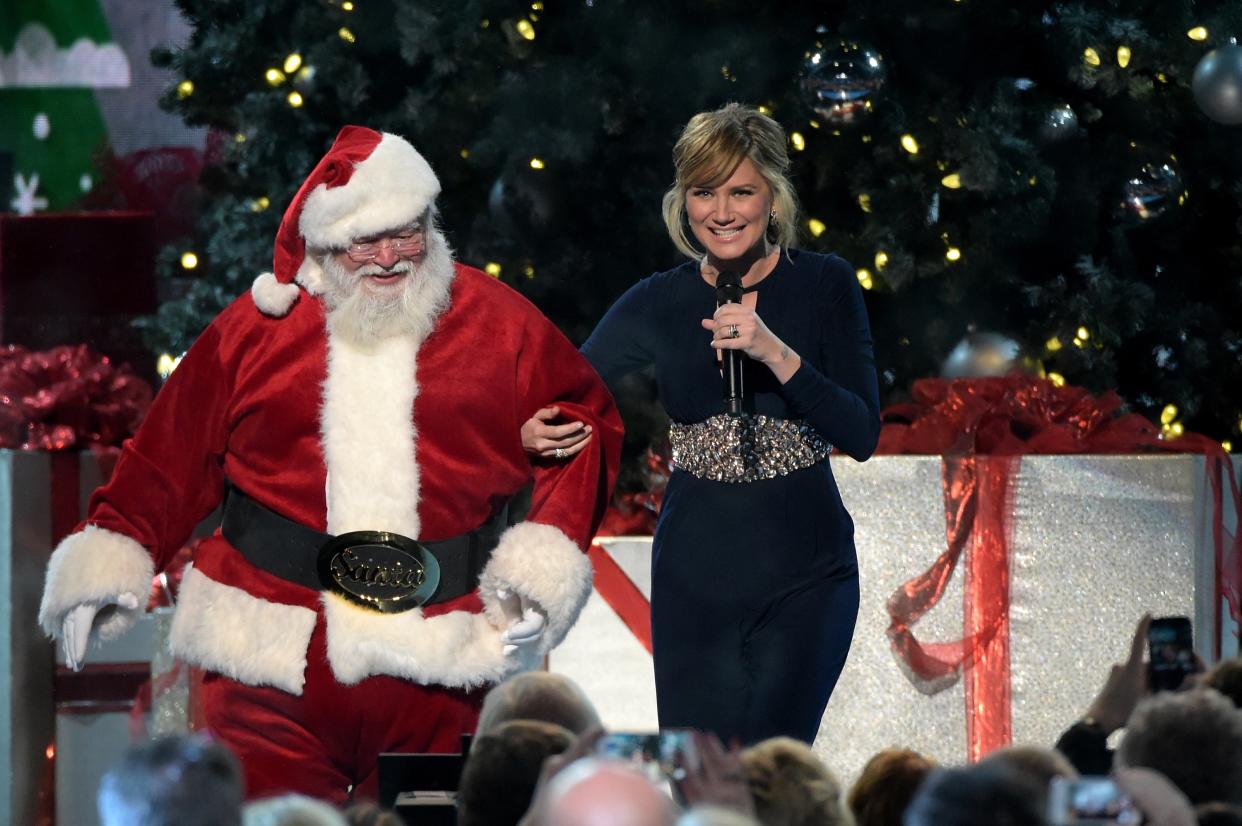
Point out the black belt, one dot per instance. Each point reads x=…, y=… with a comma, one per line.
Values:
x=377, y=569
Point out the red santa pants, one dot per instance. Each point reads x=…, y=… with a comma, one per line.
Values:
x=327, y=740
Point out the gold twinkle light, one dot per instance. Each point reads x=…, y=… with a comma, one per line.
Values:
x=1053, y=344
x=909, y=144
x=1198, y=33
x=1082, y=333
x=189, y=260
x=864, y=202
x=346, y=35
x=864, y=279
x=816, y=227
x=536, y=163
x=292, y=63
x=492, y=269
x=881, y=260
x=1090, y=56
x=167, y=363
x=295, y=99
x=953, y=181
x=347, y=6
x=1169, y=414
x=953, y=254
x=185, y=88
x=526, y=29
x=1057, y=379
x=274, y=76
x=1123, y=56
x=799, y=142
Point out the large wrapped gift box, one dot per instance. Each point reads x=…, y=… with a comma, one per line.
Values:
x=1094, y=542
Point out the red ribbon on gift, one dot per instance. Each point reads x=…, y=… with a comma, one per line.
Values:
x=982, y=427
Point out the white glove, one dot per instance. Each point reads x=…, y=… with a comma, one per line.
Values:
x=526, y=619
x=75, y=630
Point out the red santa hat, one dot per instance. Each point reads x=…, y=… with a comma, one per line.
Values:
x=368, y=183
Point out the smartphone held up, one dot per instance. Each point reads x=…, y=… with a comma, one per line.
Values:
x=1171, y=652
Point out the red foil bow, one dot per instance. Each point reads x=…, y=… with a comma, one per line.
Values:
x=67, y=398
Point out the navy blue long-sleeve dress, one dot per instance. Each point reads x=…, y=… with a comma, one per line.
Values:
x=754, y=584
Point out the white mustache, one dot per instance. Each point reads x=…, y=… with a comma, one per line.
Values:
x=376, y=269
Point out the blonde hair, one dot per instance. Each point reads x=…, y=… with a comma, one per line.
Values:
x=710, y=149
x=791, y=787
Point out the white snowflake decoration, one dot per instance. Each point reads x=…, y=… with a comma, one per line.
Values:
x=42, y=127
x=28, y=200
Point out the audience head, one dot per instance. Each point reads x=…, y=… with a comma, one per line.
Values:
x=538, y=695
x=291, y=810
x=1194, y=738
x=979, y=795
x=790, y=786
x=369, y=814
x=502, y=769
x=597, y=792
x=184, y=780
x=886, y=786
x=1225, y=677
x=715, y=816
x=1218, y=814
x=1037, y=763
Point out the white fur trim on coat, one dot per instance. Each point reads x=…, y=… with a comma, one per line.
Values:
x=393, y=187
x=458, y=649
x=251, y=640
x=542, y=563
x=272, y=297
x=368, y=436
x=95, y=565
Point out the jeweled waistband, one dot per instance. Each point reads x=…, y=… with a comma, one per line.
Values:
x=745, y=448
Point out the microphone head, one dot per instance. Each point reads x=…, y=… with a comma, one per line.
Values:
x=729, y=287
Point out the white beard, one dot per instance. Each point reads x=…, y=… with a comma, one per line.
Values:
x=364, y=318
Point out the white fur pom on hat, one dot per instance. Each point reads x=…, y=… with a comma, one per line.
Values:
x=368, y=182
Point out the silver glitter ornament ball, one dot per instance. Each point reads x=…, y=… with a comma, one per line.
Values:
x=840, y=81
x=1217, y=84
x=979, y=355
x=1059, y=122
x=1152, y=189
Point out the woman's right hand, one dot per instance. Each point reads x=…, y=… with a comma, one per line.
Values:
x=553, y=441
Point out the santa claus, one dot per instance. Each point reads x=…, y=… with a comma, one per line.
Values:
x=358, y=415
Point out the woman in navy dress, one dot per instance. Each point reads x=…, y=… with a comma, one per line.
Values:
x=754, y=590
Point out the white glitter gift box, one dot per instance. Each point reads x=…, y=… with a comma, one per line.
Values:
x=1093, y=542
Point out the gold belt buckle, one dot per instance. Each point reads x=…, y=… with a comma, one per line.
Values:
x=383, y=571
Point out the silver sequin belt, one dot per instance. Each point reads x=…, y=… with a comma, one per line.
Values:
x=745, y=448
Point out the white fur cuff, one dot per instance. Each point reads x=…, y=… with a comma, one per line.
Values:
x=226, y=630
x=541, y=563
x=95, y=565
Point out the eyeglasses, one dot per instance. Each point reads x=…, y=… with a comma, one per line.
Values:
x=408, y=241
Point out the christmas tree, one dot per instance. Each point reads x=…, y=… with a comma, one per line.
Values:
x=52, y=58
x=1037, y=170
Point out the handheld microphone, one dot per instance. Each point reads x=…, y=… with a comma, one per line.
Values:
x=729, y=291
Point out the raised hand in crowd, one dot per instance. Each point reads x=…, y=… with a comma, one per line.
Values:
x=713, y=775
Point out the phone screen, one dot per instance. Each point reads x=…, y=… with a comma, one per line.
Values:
x=1089, y=800
x=656, y=752
x=1171, y=652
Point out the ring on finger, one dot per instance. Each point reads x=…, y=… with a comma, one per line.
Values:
x=733, y=331
x=559, y=453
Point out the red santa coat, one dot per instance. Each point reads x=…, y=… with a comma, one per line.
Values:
x=418, y=438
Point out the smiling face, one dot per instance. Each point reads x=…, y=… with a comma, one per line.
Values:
x=729, y=219
x=382, y=261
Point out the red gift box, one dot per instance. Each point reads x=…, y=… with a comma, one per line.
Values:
x=80, y=277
